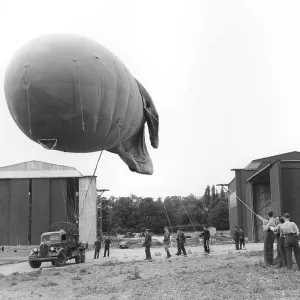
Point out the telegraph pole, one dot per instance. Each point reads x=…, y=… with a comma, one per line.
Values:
x=100, y=192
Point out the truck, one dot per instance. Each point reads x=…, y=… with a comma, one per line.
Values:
x=59, y=244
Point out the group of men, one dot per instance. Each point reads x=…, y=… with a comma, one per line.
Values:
x=97, y=245
x=180, y=239
x=239, y=238
x=286, y=234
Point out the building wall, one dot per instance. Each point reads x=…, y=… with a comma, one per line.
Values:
x=5, y=191
x=290, y=182
x=87, y=209
x=232, y=205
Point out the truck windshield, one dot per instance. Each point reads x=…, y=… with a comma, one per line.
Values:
x=51, y=238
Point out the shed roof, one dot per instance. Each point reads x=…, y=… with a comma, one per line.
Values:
x=37, y=169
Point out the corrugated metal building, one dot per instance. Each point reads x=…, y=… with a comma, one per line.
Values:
x=34, y=194
x=266, y=184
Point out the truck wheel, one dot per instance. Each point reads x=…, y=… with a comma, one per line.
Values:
x=53, y=262
x=35, y=264
x=83, y=256
x=78, y=258
x=61, y=259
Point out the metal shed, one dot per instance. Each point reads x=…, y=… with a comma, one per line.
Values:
x=35, y=194
x=272, y=185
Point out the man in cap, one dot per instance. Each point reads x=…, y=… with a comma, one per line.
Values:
x=242, y=238
x=206, y=235
x=97, y=246
x=147, y=244
x=180, y=242
x=236, y=237
x=107, y=243
x=167, y=241
x=290, y=232
x=281, y=258
x=269, y=227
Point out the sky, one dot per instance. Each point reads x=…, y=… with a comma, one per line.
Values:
x=223, y=74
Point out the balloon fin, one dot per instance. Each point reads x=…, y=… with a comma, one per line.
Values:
x=150, y=114
x=135, y=154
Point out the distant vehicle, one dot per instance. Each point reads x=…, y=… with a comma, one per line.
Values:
x=124, y=245
x=58, y=247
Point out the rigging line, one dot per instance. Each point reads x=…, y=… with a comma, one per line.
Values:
x=187, y=214
x=258, y=216
x=79, y=90
x=126, y=87
x=62, y=189
x=28, y=103
x=90, y=183
x=167, y=216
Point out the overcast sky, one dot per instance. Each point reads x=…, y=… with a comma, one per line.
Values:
x=224, y=76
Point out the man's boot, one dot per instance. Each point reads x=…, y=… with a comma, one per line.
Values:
x=168, y=254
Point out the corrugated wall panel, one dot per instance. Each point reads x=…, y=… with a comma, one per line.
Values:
x=250, y=216
x=87, y=209
x=57, y=200
x=290, y=178
x=40, y=209
x=19, y=211
x=232, y=205
x=275, y=189
x=4, y=211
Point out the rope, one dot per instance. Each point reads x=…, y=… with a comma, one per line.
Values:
x=90, y=183
x=258, y=216
x=167, y=216
x=187, y=214
x=28, y=103
x=79, y=90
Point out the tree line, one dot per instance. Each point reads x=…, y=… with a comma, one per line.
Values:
x=134, y=214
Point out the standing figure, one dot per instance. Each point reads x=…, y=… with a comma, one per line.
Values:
x=180, y=241
x=147, y=244
x=236, y=237
x=242, y=238
x=97, y=247
x=281, y=258
x=107, y=243
x=167, y=241
x=206, y=235
x=290, y=232
x=269, y=227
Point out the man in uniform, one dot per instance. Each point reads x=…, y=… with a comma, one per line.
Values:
x=167, y=241
x=180, y=241
x=236, y=237
x=281, y=258
x=269, y=227
x=206, y=235
x=107, y=243
x=97, y=247
x=242, y=238
x=290, y=232
x=147, y=244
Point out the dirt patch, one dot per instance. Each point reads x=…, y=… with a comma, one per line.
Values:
x=243, y=276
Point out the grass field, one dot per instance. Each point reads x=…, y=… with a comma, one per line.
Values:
x=234, y=276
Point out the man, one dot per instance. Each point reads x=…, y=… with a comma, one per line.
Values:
x=206, y=235
x=268, y=227
x=290, y=232
x=242, y=238
x=180, y=242
x=147, y=244
x=281, y=258
x=236, y=237
x=97, y=247
x=167, y=241
x=107, y=243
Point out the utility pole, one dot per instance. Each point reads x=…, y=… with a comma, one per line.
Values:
x=100, y=192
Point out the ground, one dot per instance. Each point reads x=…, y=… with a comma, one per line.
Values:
x=224, y=274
